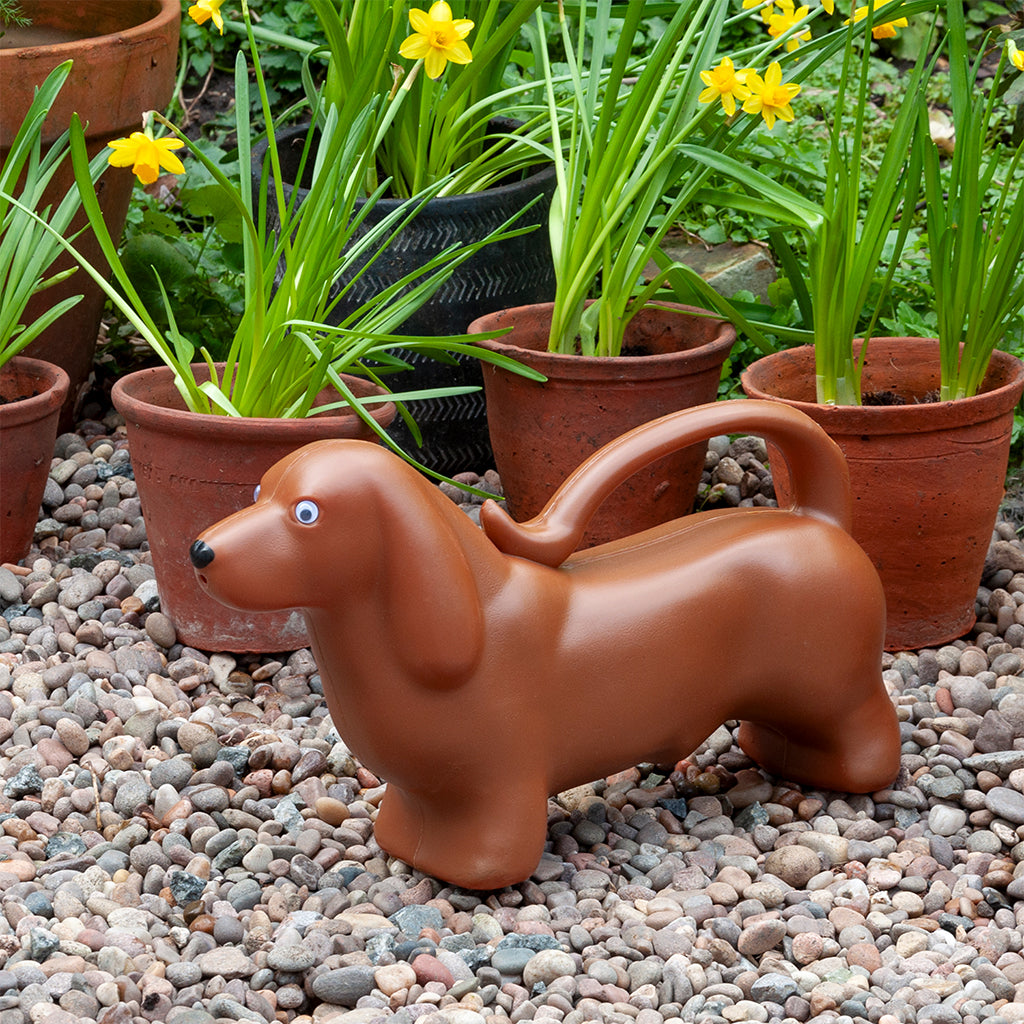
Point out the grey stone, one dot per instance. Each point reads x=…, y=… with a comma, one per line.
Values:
x=414, y=918
x=27, y=780
x=511, y=960
x=971, y=693
x=1006, y=803
x=1001, y=762
x=42, y=943
x=773, y=988
x=65, y=843
x=186, y=887
x=291, y=958
x=344, y=986
x=132, y=792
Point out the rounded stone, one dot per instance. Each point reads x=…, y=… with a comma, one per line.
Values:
x=394, y=977
x=944, y=820
x=227, y=961
x=761, y=936
x=795, y=865
x=160, y=629
x=428, y=968
x=547, y=965
x=291, y=958
x=344, y=986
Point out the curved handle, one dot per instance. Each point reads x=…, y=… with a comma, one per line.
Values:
x=820, y=479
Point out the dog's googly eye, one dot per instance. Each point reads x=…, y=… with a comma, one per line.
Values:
x=256, y=493
x=307, y=512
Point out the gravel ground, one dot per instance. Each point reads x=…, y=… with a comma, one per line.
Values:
x=184, y=838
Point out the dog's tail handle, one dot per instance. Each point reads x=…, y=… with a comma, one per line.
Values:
x=817, y=470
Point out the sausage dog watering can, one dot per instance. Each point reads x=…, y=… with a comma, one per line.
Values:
x=478, y=671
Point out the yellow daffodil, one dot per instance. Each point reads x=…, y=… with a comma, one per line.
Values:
x=784, y=20
x=829, y=5
x=146, y=155
x=770, y=96
x=1015, y=56
x=203, y=10
x=437, y=38
x=725, y=83
x=887, y=30
x=766, y=11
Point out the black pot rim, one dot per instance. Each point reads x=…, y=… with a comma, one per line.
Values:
x=441, y=206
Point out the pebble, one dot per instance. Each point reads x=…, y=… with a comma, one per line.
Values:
x=193, y=852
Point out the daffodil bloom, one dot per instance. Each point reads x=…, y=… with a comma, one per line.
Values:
x=1016, y=57
x=203, y=10
x=829, y=5
x=887, y=30
x=784, y=20
x=766, y=11
x=725, y=83
x=437, y=38
x=146, y=155
x=770, y=96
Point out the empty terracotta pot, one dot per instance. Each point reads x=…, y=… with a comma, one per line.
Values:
x=31, y=394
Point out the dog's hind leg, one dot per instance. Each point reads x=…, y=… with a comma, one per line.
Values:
x=481, y=842
x=852, y=747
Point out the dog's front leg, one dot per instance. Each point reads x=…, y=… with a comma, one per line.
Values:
x=482, y=840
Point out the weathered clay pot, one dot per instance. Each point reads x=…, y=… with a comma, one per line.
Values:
x=927, y=478
x=124, y=57
x=31, y=393
x=194, y=469
x=541, y=432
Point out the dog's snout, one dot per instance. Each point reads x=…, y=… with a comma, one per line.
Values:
x=201, y=554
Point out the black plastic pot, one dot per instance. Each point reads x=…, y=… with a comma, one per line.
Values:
x=514, y=272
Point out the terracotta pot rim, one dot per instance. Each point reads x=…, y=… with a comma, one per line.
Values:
x=49, y=376
x=167, y=11
x=128, y=391
x=1003, y=386
x=612, y=368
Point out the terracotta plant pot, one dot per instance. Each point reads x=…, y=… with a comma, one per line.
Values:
x=541, y=432
x=506, y=273
x=31, y=394
x=193, y=470
x=124, y=56
x=927, y=478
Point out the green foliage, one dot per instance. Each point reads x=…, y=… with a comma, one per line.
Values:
x=979, y=16
x=30, y=231
x=205, y=52
x=12, y=13
x=282, y=65
x=975, y=224
x=191, y=242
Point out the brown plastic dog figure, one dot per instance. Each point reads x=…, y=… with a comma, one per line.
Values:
x=478, y=671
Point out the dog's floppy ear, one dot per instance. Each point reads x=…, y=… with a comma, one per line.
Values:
x=431, y=594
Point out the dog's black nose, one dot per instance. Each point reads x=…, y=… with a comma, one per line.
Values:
x=201, y=554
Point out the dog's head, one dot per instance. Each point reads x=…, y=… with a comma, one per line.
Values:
x=343, y=521
x=310, y=513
